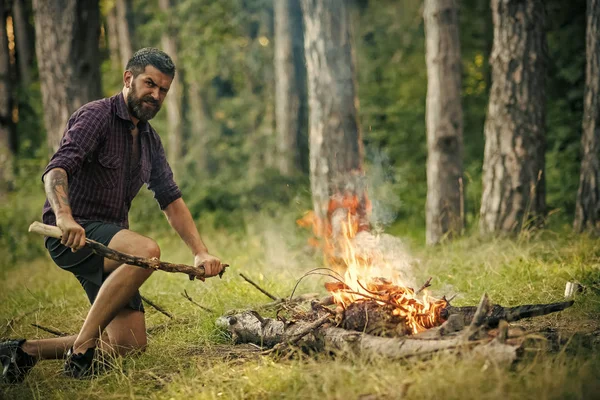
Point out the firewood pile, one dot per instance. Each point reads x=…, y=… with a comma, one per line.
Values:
x=385, y=320
x=371, y=311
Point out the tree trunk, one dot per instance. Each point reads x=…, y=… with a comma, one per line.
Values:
x=6, y=124
x=175, y=141
x=67, y=36
x=112, y=32
x=200, y=129
x=513, y=168
x=290, y=87
x=125, y=48
x=24, y=50
x=587, y=212
x=445, y=200
x=336, y=151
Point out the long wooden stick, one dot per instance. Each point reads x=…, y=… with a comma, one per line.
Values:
x=102, y=250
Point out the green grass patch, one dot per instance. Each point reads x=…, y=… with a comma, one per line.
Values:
x=189, y=358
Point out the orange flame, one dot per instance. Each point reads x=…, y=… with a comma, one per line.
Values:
x=369, y=276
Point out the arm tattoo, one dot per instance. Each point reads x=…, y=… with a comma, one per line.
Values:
x=57, y=189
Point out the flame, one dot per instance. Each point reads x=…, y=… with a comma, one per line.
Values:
x=368, y=276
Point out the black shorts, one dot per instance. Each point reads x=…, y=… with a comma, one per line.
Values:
x=87, y=266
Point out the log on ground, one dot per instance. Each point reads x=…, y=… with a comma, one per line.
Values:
x=249, y=327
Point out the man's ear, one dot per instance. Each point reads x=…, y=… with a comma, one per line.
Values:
x=127, y=79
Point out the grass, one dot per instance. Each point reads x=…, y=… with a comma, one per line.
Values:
x=191, y=359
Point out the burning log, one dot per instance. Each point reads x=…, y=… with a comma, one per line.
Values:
x=371, y=317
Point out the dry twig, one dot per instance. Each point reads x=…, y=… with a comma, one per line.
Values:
x=263, y=291
x=309, y=328
x=188, y=297
x=50, y=330
x=425, y=285
x=156, y=306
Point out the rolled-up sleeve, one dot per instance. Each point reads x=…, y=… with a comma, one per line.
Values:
x=80, y=139
x=161, y=181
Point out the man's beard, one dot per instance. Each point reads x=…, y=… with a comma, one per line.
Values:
x=137, y=108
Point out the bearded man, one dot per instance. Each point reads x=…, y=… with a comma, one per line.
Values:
x=108, y=151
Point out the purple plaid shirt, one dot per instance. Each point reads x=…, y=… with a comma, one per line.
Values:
x=96, y=152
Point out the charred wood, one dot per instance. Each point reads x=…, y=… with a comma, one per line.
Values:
x=509, y=314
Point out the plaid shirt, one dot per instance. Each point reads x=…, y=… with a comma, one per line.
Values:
x=96, y=153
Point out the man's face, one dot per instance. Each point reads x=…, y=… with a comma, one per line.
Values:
x=147, y=92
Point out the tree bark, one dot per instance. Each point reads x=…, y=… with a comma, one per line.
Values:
x=124, y=31
x=67, y=36
x=175, y=138
x=445, y=199
x=587, y=211
x=6, y=124
x=200, y=128
x=290, y=87
x=112, y=32
x=24, y=50
x=513, y=168
x=336, y=150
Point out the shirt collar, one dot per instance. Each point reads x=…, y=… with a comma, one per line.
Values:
x=123, y=113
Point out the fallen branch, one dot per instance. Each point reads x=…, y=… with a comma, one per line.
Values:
x=50, y=330
x=103, y=251
x=309, y=328
x=156, y=306
x=510, y=314
x=188, y=297
x=263, y=291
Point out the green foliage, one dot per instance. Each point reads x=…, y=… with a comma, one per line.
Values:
x=18, y=212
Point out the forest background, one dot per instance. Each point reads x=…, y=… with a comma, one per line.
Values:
x=229, y=165
x=246, y=199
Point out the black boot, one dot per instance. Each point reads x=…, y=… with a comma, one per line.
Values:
x=83, y=365
x=16, y=364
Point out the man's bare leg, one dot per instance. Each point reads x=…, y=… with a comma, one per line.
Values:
x=55, y=348
x=117, y=290
x=49, y=349
x=126, y=331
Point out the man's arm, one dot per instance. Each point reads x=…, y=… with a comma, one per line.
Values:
x=181, y=220
x=56, y=184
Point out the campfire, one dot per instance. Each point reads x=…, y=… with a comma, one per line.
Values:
x=372, y=311
x=369, y=286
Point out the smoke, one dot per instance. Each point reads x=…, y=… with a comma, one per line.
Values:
x=382, y=189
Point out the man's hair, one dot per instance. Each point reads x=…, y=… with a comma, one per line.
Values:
x=151, y=56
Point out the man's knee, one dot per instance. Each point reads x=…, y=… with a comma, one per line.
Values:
x=149, y=248
x=129, y=242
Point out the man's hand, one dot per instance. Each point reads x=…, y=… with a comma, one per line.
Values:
x=73, y=234
x=212, y=265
